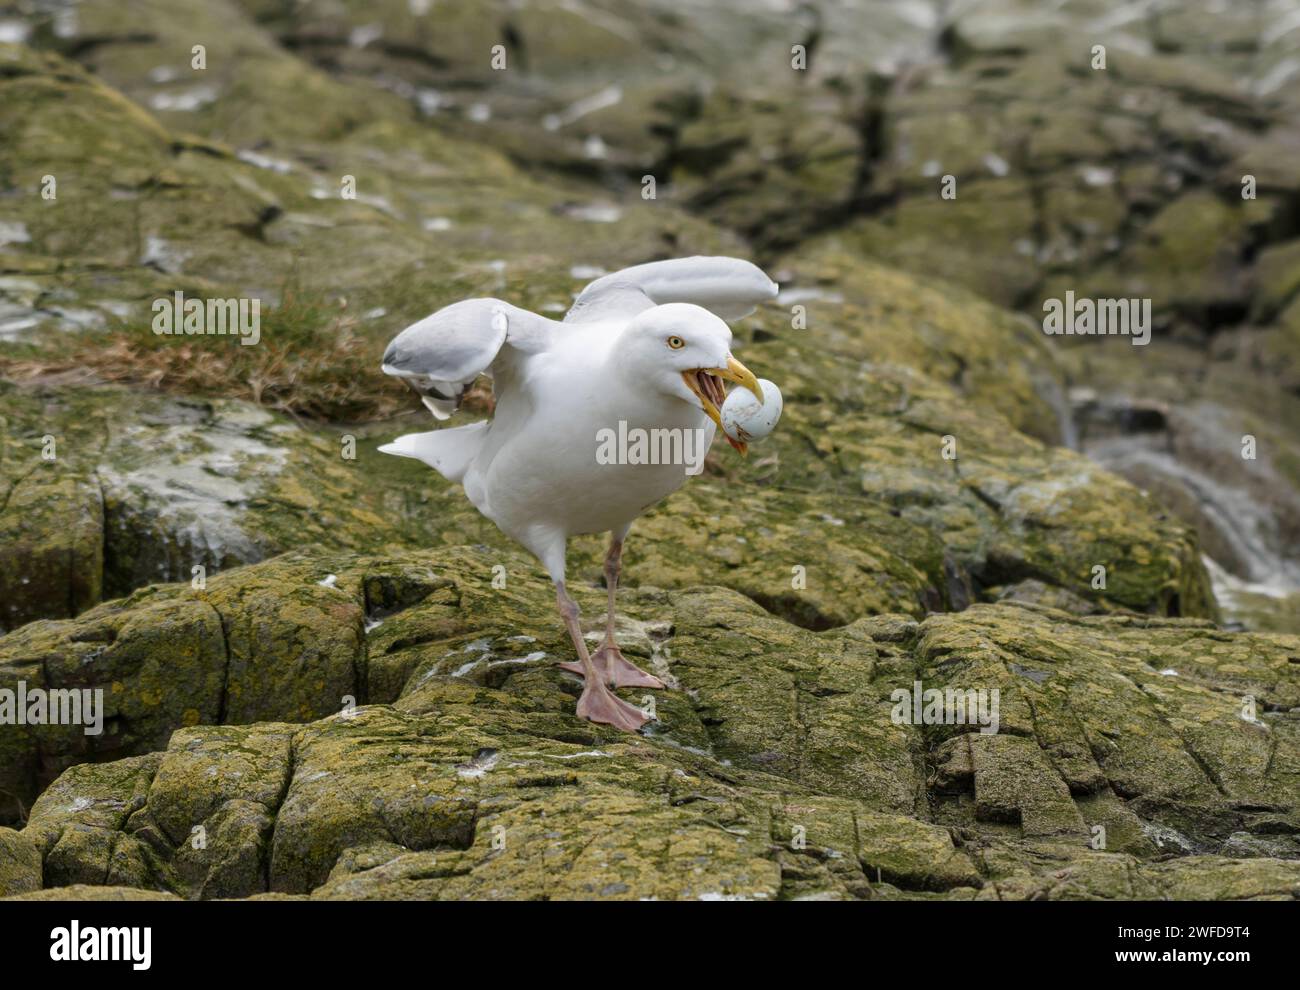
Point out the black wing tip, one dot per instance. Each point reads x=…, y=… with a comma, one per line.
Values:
x=393, y=360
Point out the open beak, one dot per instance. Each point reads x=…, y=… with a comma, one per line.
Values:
x=706, y=383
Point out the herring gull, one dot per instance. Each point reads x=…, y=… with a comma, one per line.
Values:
x=643, y=348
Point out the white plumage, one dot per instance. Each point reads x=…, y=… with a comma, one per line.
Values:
x=643, y=348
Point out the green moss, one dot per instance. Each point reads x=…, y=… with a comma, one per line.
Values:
x=775, y=768
x=20, y=864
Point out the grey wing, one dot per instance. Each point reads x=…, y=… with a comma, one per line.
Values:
x=441, y=355
x=728, y=287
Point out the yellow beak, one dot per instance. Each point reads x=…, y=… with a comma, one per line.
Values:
x=738, y=373
x=710, y=392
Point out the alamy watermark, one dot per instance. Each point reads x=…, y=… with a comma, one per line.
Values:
x=235, y=317
x=53, y=706
x=947, y=706
x=1098, y=317
x=90, y=944
x=658, y=445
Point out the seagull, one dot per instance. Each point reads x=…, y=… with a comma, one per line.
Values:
x=643, y=348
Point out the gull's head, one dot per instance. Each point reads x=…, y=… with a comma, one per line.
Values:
x=684, y=351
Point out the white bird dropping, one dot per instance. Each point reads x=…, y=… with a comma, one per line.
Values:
x=743, y=419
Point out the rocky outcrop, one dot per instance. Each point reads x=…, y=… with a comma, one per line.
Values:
x=867, y=331
x=325, y=676
x=146, y=488
x=111, y=489
x=778, y=766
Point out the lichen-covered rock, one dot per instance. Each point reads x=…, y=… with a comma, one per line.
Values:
x=882, y=371
x=52, y=529
x=218, y=835
x=876, y=321
x=90, y=892
x=20, y=864
x=814, y=558
x=138, y=670
x=1216, y=450
x=141, y=488
x=860, y=465
x=859, y=420
x=377, y=714
x=1165, y=714
x=255, y=644
x=77, y=826
x=240, y=205
x=780, y=764
x=768, y=169
x=294, y=643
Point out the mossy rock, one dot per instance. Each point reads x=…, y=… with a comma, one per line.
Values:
x=776, y=767
x=142, y=487
x=20, y=864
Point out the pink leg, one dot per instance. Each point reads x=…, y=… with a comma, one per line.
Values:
x=609, y=661
x=598, y=703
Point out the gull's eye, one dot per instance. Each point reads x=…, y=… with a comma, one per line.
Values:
x=676, y=343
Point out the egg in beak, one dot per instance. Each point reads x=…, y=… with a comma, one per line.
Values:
x=707, y=385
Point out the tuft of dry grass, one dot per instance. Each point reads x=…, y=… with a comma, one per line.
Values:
x=312, y=361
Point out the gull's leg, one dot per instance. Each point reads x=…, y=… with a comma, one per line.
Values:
x=609, y=662
x=598, y=703
x=618, y=669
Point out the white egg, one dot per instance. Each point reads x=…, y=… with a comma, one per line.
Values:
x=744, y=420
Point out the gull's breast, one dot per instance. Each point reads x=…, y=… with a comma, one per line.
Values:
x=588, y=464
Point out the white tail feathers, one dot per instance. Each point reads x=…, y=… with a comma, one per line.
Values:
x=449, y=452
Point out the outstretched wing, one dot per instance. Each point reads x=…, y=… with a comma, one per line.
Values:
x=728, y=287
x=442, y=354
